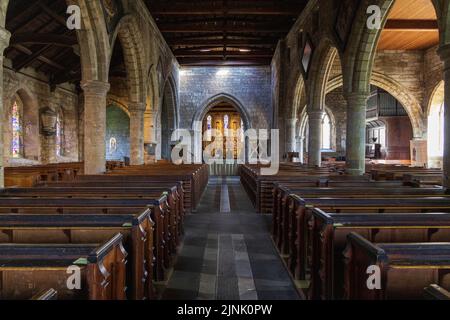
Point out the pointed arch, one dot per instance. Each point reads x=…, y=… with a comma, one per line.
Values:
x=127, y=32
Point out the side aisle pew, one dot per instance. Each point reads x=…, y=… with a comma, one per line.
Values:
x=137, y=232
x=301, y=211
x=46, y=295
x=328, y=234
x=158, y=208
x=405, y=268
x=281, y=215
x=435, y=292
x=102, y=267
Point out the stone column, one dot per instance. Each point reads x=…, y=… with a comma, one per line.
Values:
x=4, y=43
x=444, y=52
x=290, y=135
x=136, y=133
x=94, y=126
x=315, y=138
x=356, y=132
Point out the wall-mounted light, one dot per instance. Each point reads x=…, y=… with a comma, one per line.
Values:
x=244, y=50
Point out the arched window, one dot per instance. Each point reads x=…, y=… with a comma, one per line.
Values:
x=326, y=132
x=16, y=129
x=209, y=128
x=436, y=131
x=60, y=133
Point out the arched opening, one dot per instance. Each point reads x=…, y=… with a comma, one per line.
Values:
x=223, y=131
x=389, y=129
x=436, y=128
x=117, y=138
x=168, y=121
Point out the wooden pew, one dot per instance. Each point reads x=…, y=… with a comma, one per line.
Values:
x=176, y=209
x=29, y=268
x=137, y=231
x=281, y=214
x=328, y=238
x=46, y=295
x=405, y=268
x=301, y=211
x=158, y=208
x=435, y=292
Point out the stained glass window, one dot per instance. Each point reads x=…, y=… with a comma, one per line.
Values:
x=226, y=124
x=16, y=124
x=208, y=128
x=60, y=134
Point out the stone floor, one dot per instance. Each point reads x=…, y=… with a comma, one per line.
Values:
x=227, y=252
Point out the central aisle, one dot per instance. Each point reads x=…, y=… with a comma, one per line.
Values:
x=227, y=252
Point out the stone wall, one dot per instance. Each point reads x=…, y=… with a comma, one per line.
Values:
x=34, y=92
x=117, y=138
x=251, y=86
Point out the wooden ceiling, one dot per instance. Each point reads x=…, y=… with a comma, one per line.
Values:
x=226, y=32
x=411, y=25
x=40, y=39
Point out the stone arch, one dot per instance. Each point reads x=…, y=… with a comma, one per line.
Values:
x=203, y=110
x=436, y=126
x=94, y=42
x=398, y=91
x=169, y=116
x=442, y=8
x=437, y=96
x=213, y=101
x=321, y=69
x=299, y=98
x=361, y=48
x=127, y=32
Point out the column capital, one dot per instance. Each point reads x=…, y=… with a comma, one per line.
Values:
x=357, y=96
x=315, y=114
x=136, y=106
x=5, y=35
x=95, y=87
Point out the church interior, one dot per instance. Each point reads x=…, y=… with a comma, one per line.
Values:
x=224, y=150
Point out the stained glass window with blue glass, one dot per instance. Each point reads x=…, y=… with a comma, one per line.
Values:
x=16, y=123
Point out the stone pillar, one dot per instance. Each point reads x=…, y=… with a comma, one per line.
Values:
x=444, y=52
x=4, y=43
x=315, y=138
x=136, y=133
x=94, y=126
x=356, y=133
x=290, y=135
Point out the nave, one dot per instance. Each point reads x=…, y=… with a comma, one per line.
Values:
x=227, y=252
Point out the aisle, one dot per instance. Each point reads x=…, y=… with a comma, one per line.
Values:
x=227, y=252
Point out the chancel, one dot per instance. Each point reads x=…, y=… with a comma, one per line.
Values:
x=224, y=150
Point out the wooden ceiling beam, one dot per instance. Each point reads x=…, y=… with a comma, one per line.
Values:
x=219, y=42
x=242, y=8
x=52, y=14
x=44, y=38
x=229, y=28
x=205, y=62
x=411, y=25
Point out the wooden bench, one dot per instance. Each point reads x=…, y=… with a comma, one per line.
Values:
x=281, y=213
x=328, y=239
x=27, y=269
x=435, y=292
x=405, y=268
x=301, y=211
x=46, y=295
x=158, y=208
x=137, y=231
